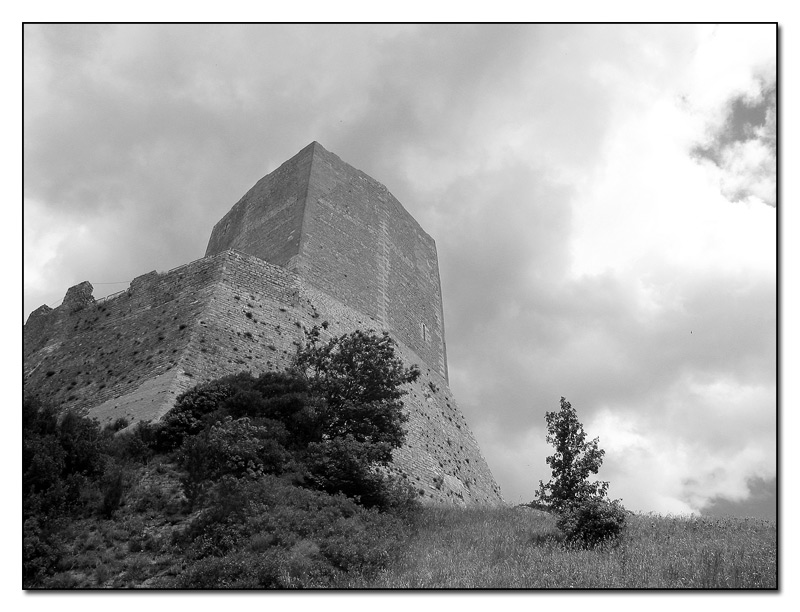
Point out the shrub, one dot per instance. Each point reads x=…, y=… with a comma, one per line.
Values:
x=135, y=445
x=118, y=425
x=113, y=487
x=281, y=535
x=41, y=550
x=347, y=466
x=193, y=412
x=233, y=447
x=83, y=444
x=60, y=460
x=244, y=570
x=592, y=521
x=333, y=421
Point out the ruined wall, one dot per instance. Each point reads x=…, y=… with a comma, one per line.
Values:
x=130, y=356
x=84, y=354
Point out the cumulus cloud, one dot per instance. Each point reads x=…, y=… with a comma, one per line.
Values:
x=596, y=194
x=744, y=148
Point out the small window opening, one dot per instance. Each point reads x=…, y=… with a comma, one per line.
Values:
x=426, y=334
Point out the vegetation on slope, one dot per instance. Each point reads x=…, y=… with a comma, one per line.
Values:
x=254, y=482
x=276, y=481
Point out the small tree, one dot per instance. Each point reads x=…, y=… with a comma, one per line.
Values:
x=572, y=463
x=585, y=513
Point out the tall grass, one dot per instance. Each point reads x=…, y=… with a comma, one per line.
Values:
x=521, y=548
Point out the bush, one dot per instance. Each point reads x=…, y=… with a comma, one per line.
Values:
x=244, y=570
x=113, y=487
x=135, y=445
x=61, y=460
x=41, y=550
x=268, y=533
x=83, y=444
x=592, y=521
x=193, y=412
x=332, y=421
x=233, y=447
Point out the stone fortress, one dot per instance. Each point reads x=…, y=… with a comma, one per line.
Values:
x=314, y=241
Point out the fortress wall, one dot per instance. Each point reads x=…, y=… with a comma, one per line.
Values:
x=441, y=458
x=246, y=323
x=250, y=324
x=85, y=355
x=267, y=220
x=361, y=246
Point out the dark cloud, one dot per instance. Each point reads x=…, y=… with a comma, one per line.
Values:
x=762, y=501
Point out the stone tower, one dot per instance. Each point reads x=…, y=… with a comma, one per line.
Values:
x=344, y=233
x=314, y=241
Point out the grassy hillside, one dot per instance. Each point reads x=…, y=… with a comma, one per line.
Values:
x=500, y=548
x=518, y=548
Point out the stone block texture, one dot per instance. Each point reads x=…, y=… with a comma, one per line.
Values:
x=314, y=241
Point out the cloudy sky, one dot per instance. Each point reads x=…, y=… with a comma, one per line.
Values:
x=602, y=198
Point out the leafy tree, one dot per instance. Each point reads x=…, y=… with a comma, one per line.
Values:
x=361, y=380
x=193, y=409
x=572, y=463
x=585, y=513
